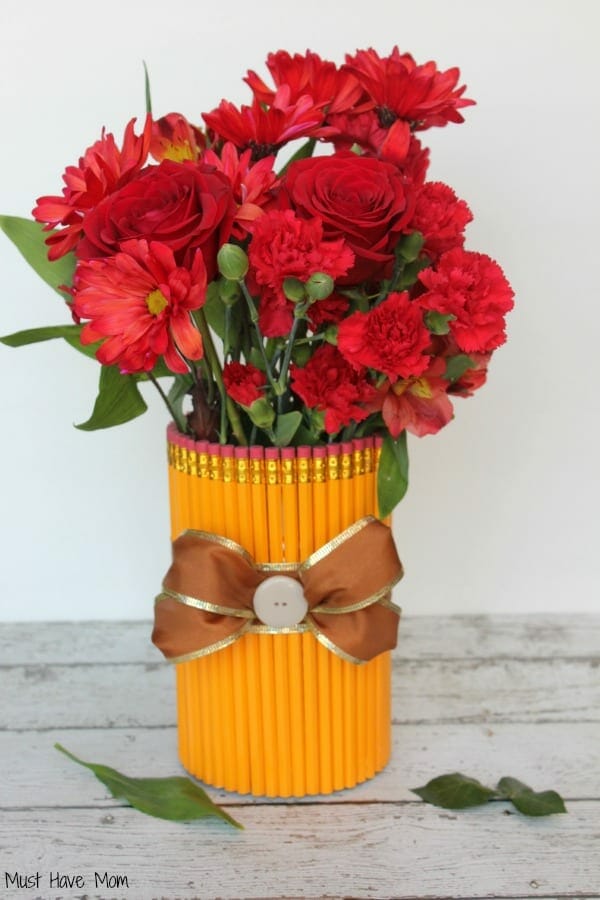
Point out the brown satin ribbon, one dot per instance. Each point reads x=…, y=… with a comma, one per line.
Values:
x=206, y=600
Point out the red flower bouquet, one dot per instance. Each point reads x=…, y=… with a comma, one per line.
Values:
x=290, y=298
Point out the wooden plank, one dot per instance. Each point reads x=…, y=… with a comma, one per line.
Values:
x=564, y=757
x=475, y=691
x=346, y=850
x=420, y=637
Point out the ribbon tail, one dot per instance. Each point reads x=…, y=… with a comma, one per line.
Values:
x=358, y=636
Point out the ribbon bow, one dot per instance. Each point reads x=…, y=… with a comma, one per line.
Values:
x=207, y=598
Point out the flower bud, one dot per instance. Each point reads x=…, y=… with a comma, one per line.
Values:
x=232, y=262
x=261, y=413
x=293, y=289
x=319, y=286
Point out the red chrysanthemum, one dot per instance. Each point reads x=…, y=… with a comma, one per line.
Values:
x=365, y=130
x=329, y=384
x=418, y=404
x=329, y=87
x=392, y=338
x=441, y=217
x=243, y=382
x=102, y=169
x=253, y=185
x=173, y=137
x=139, y=303
x=403, y=92
x=265, y=129
x=473, y=289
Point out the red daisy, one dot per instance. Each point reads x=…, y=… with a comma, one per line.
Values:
x=101, y=170
x=139, y=303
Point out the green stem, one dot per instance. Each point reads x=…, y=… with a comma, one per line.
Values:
x=180, y=422
x=261, y=346
x=213, y=361
x=386, y=291
x=299, y=311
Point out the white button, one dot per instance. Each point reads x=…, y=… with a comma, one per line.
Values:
x=279, y=602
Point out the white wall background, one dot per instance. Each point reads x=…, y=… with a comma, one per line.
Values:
x=503, y=508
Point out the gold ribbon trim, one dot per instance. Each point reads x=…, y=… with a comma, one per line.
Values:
x=206, y=598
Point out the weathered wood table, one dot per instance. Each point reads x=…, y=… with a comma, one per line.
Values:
x=486, y=696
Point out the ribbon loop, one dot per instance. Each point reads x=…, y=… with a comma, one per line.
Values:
x=206, y=601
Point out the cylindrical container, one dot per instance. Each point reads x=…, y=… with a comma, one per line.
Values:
x=278, y=715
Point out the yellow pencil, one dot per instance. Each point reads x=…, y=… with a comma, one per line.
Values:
x=244, y=499
x=320, y=524
x=259, y=504
x=305, y=504
x=216, y=480
x=358, y=477
x=346, y=490
x=289, y=504
x=231, y=518
x=203, y=512
x=334, y=499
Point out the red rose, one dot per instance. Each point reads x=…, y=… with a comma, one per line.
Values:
x=183, y=205
x=243, y=382
x=391, y=338
x=330, y=384
x=366, y=201
x=472, y=288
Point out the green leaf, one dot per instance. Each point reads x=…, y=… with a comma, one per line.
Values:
x=48, y=333
x=178, y=799
x=392, y=474
x=147, y=93
x=215, y=310
x=286, y=427
x=455, y=791
x=528, y=802
x=437, y=322
x=118, y=400
x=29, y=239
x=302, y=153
x=456, y=366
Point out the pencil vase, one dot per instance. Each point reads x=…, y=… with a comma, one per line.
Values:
x=278, y=715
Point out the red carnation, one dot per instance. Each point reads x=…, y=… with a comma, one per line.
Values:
x=328, y=383
x=441, y=218
x=243, y=382
x=331, y=310
x=285, y=246
x=391, y=338
x=140, y=301
x=472, y=288
x=366, y=201
x=184, y=205
x=102, y=169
